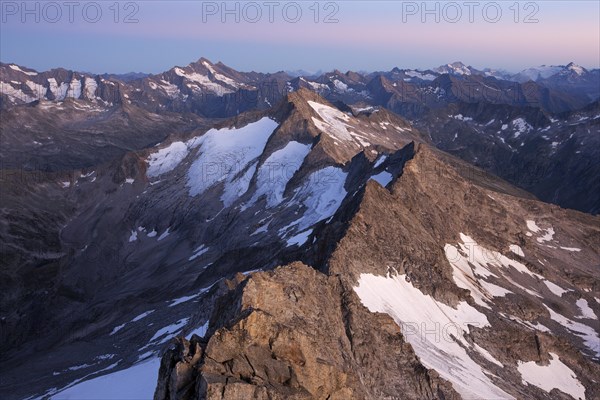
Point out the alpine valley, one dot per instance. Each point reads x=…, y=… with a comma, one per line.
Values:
x=206, y=233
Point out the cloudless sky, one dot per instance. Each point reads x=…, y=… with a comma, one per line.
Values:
x=358, y=35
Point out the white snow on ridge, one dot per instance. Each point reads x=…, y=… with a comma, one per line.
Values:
x=221, y=77
x=16, y=68
x=556, y=375
x=532, y=226
x=274, y=174
x=226, y=152
x=117, y=329
x=541, y=72
x=184, y=299
x=204, y=82
x=315, y=85
x=334, y=123
x=135, y=319
x=420, y=75
x=164, y=234
x=547, y=236
x=413, y=311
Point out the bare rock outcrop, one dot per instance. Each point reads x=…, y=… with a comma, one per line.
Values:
x=296, y=334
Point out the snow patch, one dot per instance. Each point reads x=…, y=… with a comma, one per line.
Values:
x=383, y=178
x=380, y=161
x=556, y=375
x=198, y=252
x=412, y=310
x=200, y=331
x=321, y=193
x=469, y=261
x=227, y=152
x=299, y=239
x=334, y=123
x=586, y=311
x=133, y=383
x=274, y=174
x=164, y=235
x=517, y=250
x=166, y=333
x=168, y=158
x=204, y=81
x=575, y=249
x=588, y=334
x=554, y=288
x=547, y=235
x=521, y=126
x=90, y=86
x=16, y=68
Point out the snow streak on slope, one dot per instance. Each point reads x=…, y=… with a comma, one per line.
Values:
x=220, y=77
x=556, y=375
x=227, y=153
x=335, y=123
x=167, y=159
x=277, y=170
x=321, y=194
x=202, y=83
x=588, y=334
x=470, y=264
x=419, y=315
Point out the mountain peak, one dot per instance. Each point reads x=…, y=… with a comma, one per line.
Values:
x=577, y=69
x=455, y=68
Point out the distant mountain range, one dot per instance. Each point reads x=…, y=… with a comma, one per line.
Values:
x=557, y=106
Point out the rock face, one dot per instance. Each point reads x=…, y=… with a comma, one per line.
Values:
x=295, y=333
x=301, y=333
